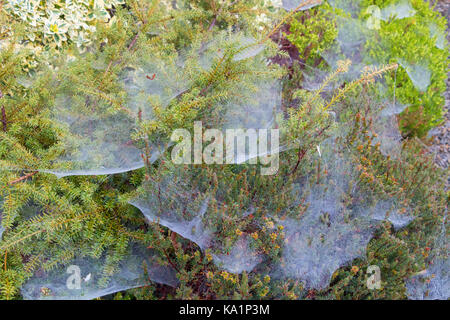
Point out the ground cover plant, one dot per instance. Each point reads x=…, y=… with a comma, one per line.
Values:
x=117, y=179
x=410, y=33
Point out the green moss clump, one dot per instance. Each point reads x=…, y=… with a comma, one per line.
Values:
x=410, y=40
x=313, y=31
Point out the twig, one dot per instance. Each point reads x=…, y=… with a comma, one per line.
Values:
x=133, y=42
x=300, y=155
x=4, y=122
x=170, y=261
x=302, y=152
x=214, y=20
x=22, y=178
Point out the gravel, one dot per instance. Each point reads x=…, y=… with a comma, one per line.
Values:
x=441, y=146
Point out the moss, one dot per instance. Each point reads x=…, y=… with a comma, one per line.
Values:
x=312, y=31
x=409, y=40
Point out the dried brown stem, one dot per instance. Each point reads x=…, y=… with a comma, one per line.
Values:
x=22, y=178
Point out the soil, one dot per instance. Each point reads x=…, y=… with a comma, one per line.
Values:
x=441, y=146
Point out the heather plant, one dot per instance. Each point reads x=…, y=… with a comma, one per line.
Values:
x=88, y=182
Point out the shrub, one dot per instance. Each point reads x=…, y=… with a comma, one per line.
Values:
x=53, y=23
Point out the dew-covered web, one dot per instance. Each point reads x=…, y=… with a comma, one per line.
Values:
x=293, y=4
x=86, y=278
x=354, y=34
x=154, y=81
x=252, y=114
x=98, y=129
x=89, y=275
x=433, y=283
x=419, y=74
x=332, y=232
x=399, y=10
x=174, y=201
x=1, y=225
x=389, y=211
x=94, y=143
x=387, y=131
x=326, y=237
x=385, y=126
x=441, y=41
x=240, y=258
x=95, y=130
x=252, y=107
x=348, y=44
x=243, y=46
